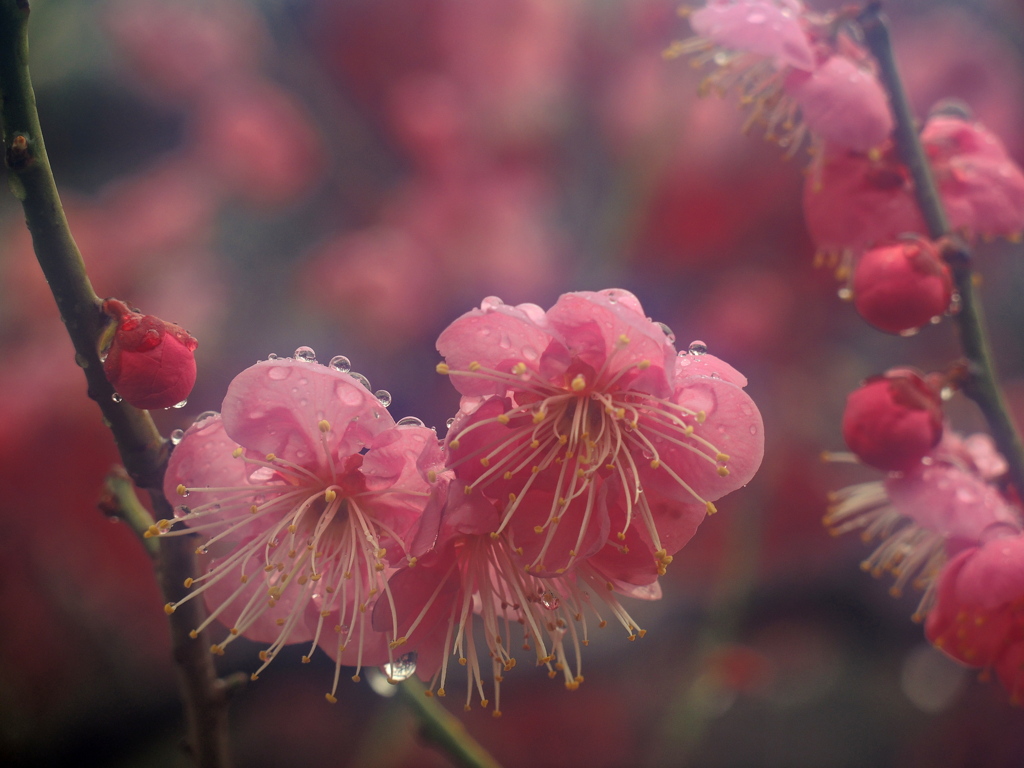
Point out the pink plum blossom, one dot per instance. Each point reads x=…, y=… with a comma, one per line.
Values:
x=929, y=513
x=307, y=493
x=591, y=391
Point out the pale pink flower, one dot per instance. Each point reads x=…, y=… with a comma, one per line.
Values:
x=929, y=513
x=307, y=492
x=978, y=617
x=799, y=75
x=592, y=390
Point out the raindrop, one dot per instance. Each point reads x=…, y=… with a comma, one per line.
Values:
x=176, y=436
x=180, y=512
x=549, y=600
x=936, y=320
x=279, y=372
x=909, y=332
x=116, y=398
x=341, y=363
x=946, y=393
x=410, y=421
x=401, y=669
x=180, y=404
x=81, y=362
x=102, y=356
x=272, y=356
x=362, y=380
x=450, y=422
x=697, y=348
x=668, y=332
x=204, y=416
x=845, y=293
x=753, y=430
x=383, y=397
x=305, y=354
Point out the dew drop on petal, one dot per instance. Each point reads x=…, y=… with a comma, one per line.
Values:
x=402, y=668
x=116, y=398
x=204, y=416
x=410, y=421
x=305, y=354
x=279, y=372
x=450, y=422
x=341, y=363
x=383, y=397
x=668, y=332
x=362, y=380
x=697, y=348
x=176, y=436
x=272, y=356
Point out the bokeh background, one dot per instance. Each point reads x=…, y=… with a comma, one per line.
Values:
x=354, y=174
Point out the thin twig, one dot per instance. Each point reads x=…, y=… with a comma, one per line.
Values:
x=981, y=383
x=439, y=726
x=143, y=450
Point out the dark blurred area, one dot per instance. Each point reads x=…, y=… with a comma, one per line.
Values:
x=353, y=176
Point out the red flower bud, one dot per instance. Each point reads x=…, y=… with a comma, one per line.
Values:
x=149, y=361
x=900, y=287
x=893, y=421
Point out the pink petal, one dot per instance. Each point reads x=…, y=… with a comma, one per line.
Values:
x=276, y=407
x=842, y=103
x=204, y=459
x=756, y=26
x=993, y=575
x=707, y=365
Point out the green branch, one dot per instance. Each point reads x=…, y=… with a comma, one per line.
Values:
x=440, y=727
x=143, y=450
x=981, y=383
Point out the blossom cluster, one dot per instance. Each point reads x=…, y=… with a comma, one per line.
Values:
x=585, y=453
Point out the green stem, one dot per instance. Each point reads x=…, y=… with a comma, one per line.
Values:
x=439, y=726
x=981, y=383
x=143, y=450
x=121, y=502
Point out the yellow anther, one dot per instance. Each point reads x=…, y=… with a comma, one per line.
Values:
x=689, y=430
x=538, y=529
x=485, y=462
x=474, y=366
x=169, y=608
x=534, y=469
x=454, y=444
x=443, y=369
x=519, y=368
x=181, y=490
x=623, y=339
x=621, y=535
x=253, y=509
x=563, y=439
x=723, y=471
x=722, y=457
x=188, y=582
x=539, y=416
x=324, y=425
x=331, y=698
x=431, y=476
x=503, y=419
x=578, y=383
x=655, y=463
x=507, y=475
x=643, y=365
x=511, y=496
x=620, y=413
x=193, y=634
x=271, y=456
x=711, y=508
x=535, y=444
x=701, y=416
x=237, y=452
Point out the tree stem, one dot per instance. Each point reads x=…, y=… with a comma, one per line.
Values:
x=440, y=727
x=981, y=383
x=143, y=450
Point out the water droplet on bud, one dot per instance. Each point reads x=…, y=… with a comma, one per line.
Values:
x=305, y=354
x=383, y=397
x=697, y=348
x=410, y=421
x=341, y=363
x=116, y=398
x=176, y=436
x=180, y=404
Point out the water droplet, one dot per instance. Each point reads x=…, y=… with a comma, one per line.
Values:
x=81, y=362
x=909, y=332
x=549, y=600
x=410, y=421
x=946, y=393
x=116, y=398
x=450, y=422
x=305, y=354
x=204, y=416
x=362, y=380
x=279, y=372
x=341, y=363
x=272, y=356
x=383, y=397
x=753, y=430
x=181, y=511
x=180, y=403
x=402, y=668
x=176, y=436
x=697, y=348
x=936, y=320
x=668, y=333
x=845, y=293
